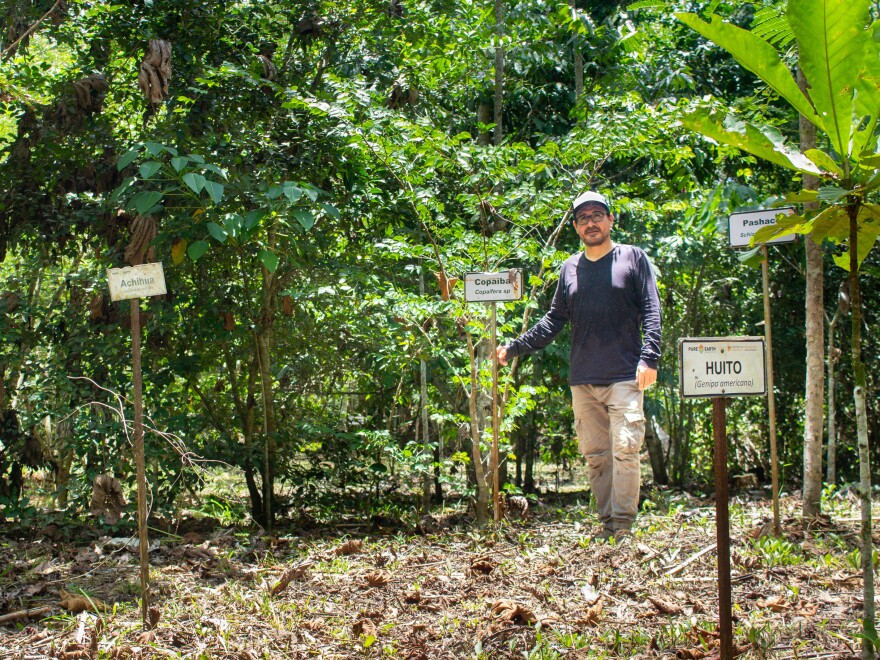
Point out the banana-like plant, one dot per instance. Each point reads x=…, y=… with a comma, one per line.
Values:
x=839, y=55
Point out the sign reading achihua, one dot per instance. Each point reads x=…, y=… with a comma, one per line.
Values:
x=493, y=287
x=742, y=226
x=136, y=281
x=722, y=366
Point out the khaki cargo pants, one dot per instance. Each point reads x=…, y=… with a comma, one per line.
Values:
x=610, y=426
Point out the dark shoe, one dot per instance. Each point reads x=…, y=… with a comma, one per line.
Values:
x=602, y=537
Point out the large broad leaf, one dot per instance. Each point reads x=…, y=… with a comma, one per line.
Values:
x=757, y=56
x=784, y=226
x=868, y=94
x=832, y=223
x=144, y=201
x=305, y=218
x=270, y=260
x=195, y=181
x=869, y=230
x=215, y=190
x=197, y=250
x=831, y=50
x=762, y=142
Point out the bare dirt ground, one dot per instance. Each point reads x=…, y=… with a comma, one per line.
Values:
x=533, y=588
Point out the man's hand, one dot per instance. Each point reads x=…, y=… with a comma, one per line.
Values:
x=645, y=376
x=501, y=352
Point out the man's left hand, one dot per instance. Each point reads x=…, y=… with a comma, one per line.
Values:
x=645, y=376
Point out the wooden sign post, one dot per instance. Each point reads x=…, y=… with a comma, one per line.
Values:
x=720, y=368
x=741, y=228
x=492, y=288
x=132, y=284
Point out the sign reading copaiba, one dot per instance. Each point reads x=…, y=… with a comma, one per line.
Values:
x=493, y=287
x=136, y=281
x=742, y=226
x=722, y=366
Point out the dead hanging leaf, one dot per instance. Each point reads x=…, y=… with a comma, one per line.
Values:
x=447, y=284
x=75, y=603
x=178, y=250
x=287, y=305
x=155, y=72
x=508, y=611
x=377, y=578
x=350, y=547
x=153, y=616
x=107, y=499
x=664, y=606
x=484, y=565
x=775, y=603
x=143, y=231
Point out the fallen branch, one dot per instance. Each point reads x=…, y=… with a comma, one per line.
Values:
x=25, y=614
x=691, y=559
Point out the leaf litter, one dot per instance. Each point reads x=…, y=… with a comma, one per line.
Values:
x=457, y=592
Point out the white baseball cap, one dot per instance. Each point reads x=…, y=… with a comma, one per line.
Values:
x=590, y=196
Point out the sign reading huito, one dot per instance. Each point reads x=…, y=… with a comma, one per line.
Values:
x=722, y=366
x=136, y=281
x=493, y=287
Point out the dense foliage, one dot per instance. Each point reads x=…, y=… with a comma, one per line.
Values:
x=315, y=174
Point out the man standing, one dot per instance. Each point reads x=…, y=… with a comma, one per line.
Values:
x=609, y=295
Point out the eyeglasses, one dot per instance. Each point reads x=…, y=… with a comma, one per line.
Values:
x=583, y=220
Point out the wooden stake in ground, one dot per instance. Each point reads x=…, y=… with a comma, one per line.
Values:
x=771, y=399
x=130, y=284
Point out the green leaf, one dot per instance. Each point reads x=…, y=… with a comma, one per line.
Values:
x=179, y=163
x=218, y=232
x=752, y=257
x=868, y=94
x=215, y=190
x=216, y=170
x=831, y=50
x=144, y=201
x=196, y=182
x=292, y=192
x=832, y=223
x=823, y=160
x=305, y=218
x=331, y=210
x=763, y=142
x=197, y=249
x=270, y=260
x=128, y=157
x=149, y=168
x=154, y=148
x=784, y=226
x=252, y=218
x=802, y=197
x=757, y=56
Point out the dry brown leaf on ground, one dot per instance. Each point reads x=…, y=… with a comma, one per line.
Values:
x=483, y=565
x=690, y=654
x=412, y=597
x=807, y=609
x=75, y=603
x=665, y=606
x=364, y=627
x=513, y=612
x=591, y=618
x=291, y=574
x=215, y=622
x=350, y=547
x=377, y=578
x=775, y=603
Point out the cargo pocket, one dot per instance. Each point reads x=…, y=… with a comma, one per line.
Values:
x=632, y=433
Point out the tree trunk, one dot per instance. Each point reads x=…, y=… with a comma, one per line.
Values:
x=426, y=440
x=499, y=71
x=655, y=451
x=815, y=325
x=269, y=425
x=578, y=60
x=868, y=612
x=831, y=474
x=482, y=503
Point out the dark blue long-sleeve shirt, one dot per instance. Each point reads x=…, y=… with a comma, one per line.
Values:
x=614, y=310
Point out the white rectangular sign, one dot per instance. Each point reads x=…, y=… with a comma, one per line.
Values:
x=136, y=281
x=742, y=226
x=722, y=366
x=493, y=287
